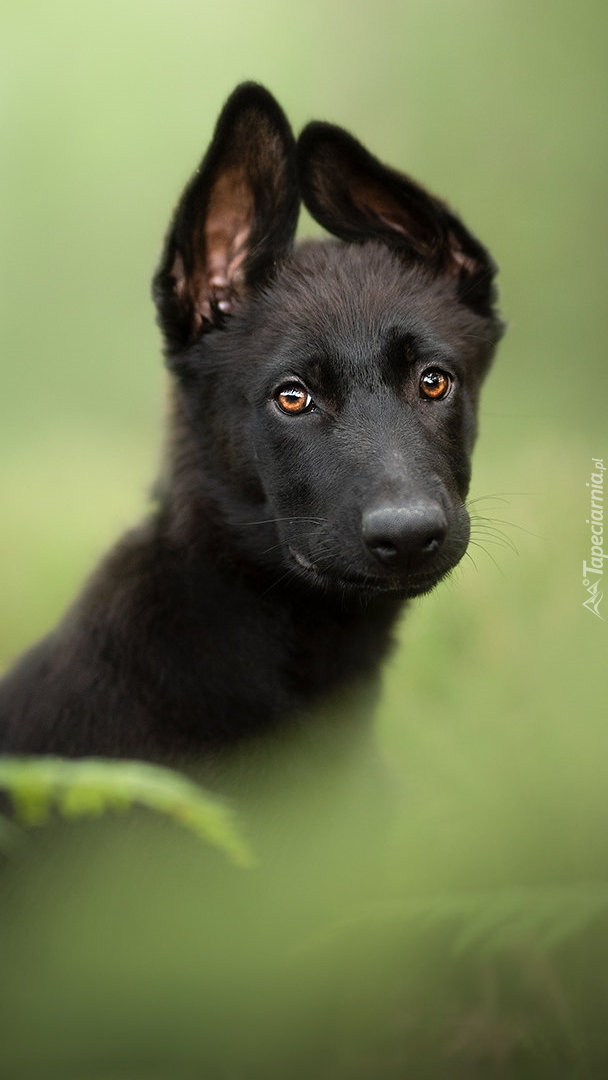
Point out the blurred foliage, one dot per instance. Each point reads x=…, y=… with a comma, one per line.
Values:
x=39, y=786
x=476, y=945
x=128, y=953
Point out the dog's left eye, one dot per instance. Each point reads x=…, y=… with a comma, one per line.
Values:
x=435, y=384
x=293, y=398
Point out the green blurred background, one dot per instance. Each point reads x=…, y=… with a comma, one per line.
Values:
x=494, y=715
x=497, y=106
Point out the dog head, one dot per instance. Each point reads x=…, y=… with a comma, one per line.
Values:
x=327, y=393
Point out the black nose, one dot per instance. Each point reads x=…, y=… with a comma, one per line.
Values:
x=404, y=536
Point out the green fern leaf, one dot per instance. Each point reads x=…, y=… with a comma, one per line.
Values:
x=39, y=786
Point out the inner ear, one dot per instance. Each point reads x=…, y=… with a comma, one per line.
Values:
x=228, y=231
x=402, y=215
x=217, y=276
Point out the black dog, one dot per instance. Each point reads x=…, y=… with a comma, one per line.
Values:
x=323, y=417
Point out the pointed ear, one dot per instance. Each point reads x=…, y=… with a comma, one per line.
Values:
x=356, y=197
x=236, y=218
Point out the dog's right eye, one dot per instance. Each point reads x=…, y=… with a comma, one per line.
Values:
x=293, y=398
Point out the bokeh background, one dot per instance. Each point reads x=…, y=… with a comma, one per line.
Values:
x=494, y=711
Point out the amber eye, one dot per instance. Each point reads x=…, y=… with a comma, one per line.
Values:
x=435, y=384
x=293, y=398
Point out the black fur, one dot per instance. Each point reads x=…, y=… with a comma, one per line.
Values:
x=284, y=545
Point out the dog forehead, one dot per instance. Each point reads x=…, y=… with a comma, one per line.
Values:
x=351, y=298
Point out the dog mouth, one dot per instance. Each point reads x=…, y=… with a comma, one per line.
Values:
x=408, y=586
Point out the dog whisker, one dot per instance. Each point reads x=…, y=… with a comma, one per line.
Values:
x=482, y=547
x=278, y=520
x=516, y=525
x=498, y=496
x=493, y=535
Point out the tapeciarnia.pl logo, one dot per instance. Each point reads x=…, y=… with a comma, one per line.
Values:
x=594, y=570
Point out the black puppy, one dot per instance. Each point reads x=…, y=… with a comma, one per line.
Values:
x=324, y=403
